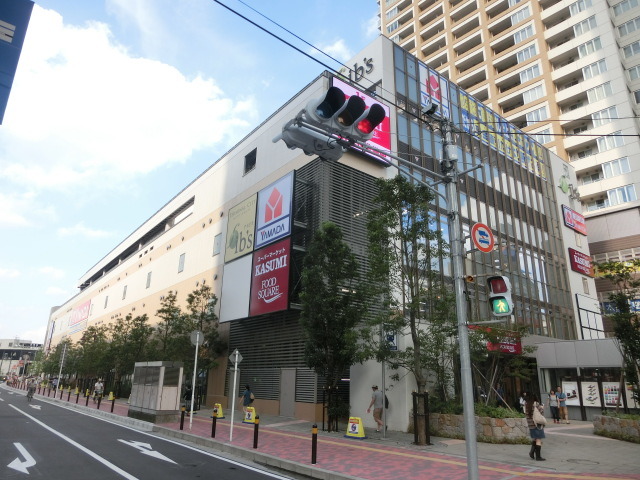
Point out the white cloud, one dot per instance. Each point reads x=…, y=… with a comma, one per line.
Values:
x=52, y=272
x=84, y=112
x=79, y=230
x=371, y=28
x=337, y=50
x=57, y=292
x=9, y=273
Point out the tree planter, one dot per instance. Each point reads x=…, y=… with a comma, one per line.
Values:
x=620, y=428
x=490, y=430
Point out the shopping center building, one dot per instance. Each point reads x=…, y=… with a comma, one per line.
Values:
x=243, y=226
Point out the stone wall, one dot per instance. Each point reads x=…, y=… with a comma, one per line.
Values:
x=496, y=429
x=616, y=427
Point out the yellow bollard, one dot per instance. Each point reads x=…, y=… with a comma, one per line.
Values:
x=77, y=391
x=217, y=411
x=111, y=397
x=87, y=393
x=250, y=415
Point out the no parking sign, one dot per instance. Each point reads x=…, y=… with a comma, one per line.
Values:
x=482, y=237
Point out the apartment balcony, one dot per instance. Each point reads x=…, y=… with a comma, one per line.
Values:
x=410, y=44
x=469, y=61
x=511, y=102
x=432, y=15
x=468, y=44
x=469, y=25
x=564, y=54
x=426, y=4
x=571, y=98
x=430, y=32
x=559, y=35
x=508, y=82
x=555, y=13
x=434, y=46
x=464, y=10
x=505, y=62
x=499, y=26
x=437, y=60
x=501, y=44
x=592, y=191
x=472, y=79
x=496, y=7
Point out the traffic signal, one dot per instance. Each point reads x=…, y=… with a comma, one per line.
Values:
x=347, y=117
x=500, y=302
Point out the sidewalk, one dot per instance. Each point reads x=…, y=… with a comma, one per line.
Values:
x=572, y=451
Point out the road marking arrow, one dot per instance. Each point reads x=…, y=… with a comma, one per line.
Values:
x=37, y=407
x=17, y=464
x=147, y=450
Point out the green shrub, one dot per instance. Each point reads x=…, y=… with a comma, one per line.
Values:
x=454, y=407
x=622, y=416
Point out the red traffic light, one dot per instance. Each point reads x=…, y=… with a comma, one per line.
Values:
x=375, y=116
x=497, y=285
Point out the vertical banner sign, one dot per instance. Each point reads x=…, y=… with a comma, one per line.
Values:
x=270, y=279
x=240, y=229
x=273, y=220
x=382, y=133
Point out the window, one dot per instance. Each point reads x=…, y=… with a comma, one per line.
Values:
x=106, y=301
x=514, y=2
x=181, y=263
x=587, y=179
x=579, y=6
x=597, y=205
x=636, y=96
x=594, y=69
x=585, y=286
x=585, y=153
x=589, y=47
x=629, y=27
x=217, y=244
x=600, y=92
x=523, y=34
x=543, y=136
x=584, y=26
x=604, y=116
x=148, y=279
x=124, y=292
x=537, y=115
x=631, y=49
x=392, y=26
x=624, y=6
x=532, y=94
x=250, y=160
x=526, y=53
x=634, y=72
x=392, y=13
x=520, y=15
x=530, y=73
x=610, y=141
x=616, y=167
x=620, y=195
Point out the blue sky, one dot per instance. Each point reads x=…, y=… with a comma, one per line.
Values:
x=118, y=104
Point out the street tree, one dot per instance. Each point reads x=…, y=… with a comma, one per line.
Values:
x=406, y=253
x=201, y=304
x=625, y=296
x=93, y=352
x=128, y=340
x=171, y=334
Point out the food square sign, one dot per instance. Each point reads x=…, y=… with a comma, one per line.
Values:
x=270, y=279
x=580, y=262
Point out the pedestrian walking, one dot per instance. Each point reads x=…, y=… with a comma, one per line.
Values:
x=98, y=390
x=377, y=402
x=535, y=421
x=246, y=398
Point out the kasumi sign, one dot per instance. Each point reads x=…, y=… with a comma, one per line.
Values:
x=273, y=220
x=270, y=279
x=580, y=262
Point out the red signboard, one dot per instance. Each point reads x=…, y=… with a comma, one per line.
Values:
x=507, y=344
x=580, y=262
x=270, y=278
x=80, y=313
x=574, y=220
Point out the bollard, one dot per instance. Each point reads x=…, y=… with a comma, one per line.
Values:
x=213, y=426
x=113, y=402
x=69, y=394
x=255, y=431
x=99, y=399
x=77, y=395
x=182, y=418
x=49, y=391
x=61, y=392
x=86, y=404
x=39, y=387
x=314, y=444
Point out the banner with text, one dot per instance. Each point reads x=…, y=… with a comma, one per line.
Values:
x=270, y=279
x=273, y=220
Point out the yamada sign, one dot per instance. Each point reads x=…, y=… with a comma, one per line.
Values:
x=270, y=279
x=574, y=220
x=273, y=220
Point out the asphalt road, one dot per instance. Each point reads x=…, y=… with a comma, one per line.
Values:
x=41, y=440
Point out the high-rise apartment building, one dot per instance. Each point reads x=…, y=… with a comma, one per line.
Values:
x=565, y=71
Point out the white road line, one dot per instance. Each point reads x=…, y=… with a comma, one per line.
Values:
x=92, y=454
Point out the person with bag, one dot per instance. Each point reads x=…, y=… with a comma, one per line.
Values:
x=536, y=422
x=553, y=406
x=247, y=398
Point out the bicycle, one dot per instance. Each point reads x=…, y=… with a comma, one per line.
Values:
x=30, y=393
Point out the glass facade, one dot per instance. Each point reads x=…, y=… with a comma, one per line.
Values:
x=513, y=193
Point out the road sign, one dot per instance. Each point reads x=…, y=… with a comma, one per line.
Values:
x=146, y=449
x=18, y=464
x=482, y=237
x=233, y=357
x=197, y=337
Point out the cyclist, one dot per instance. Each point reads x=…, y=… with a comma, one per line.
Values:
x=31, y=389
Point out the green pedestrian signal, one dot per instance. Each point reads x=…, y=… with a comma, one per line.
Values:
x=500, y=302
